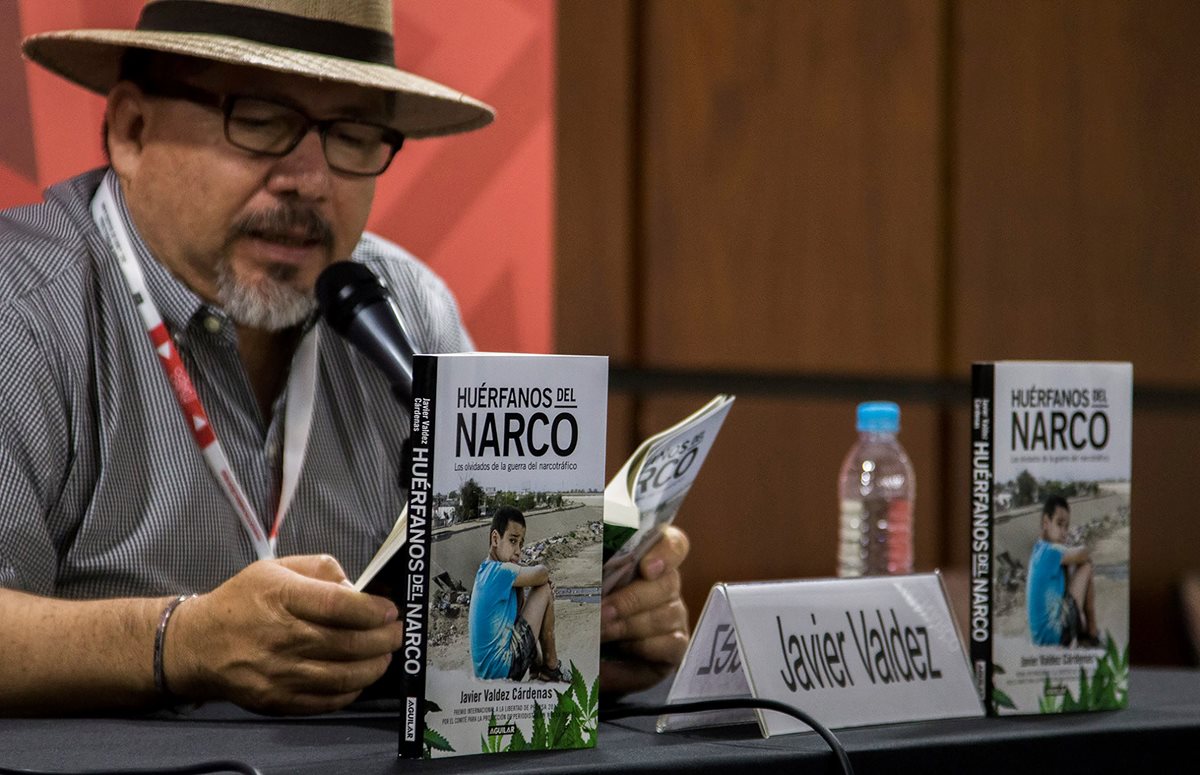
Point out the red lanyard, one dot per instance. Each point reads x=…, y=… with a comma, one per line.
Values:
x=300, y=391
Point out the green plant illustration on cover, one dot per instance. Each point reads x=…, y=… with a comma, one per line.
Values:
x=1108, y=688
x=572, y=723
x=999, y=698
x=433, y=740
x=492, y=743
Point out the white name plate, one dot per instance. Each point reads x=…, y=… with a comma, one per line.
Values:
x=850, y=652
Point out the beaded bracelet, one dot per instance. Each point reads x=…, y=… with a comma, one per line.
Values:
x=160, y=636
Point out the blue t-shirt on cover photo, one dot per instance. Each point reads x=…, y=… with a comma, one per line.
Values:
x=1044, y=593
x=493, y=612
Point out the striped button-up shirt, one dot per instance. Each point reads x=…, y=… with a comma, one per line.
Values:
x=103, y=491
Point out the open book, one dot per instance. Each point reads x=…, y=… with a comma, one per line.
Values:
x=646, y=493
x=665, y=464
x=389, y=547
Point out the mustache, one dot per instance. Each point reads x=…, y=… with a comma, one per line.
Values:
x=291, y=224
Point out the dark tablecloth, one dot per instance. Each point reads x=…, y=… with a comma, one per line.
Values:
x=1161, y=726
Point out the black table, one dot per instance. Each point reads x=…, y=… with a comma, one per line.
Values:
x=1160, y=729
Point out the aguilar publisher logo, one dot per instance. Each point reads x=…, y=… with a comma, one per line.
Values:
x=410, y=719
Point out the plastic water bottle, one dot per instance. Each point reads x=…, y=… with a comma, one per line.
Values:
x=877, y=489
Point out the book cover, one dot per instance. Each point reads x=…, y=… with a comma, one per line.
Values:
x=501, y=600
x=1050, y=522
x=646, y=493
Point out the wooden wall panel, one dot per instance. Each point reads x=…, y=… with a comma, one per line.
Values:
x=790, y=201
x=1166, y=532
x=1077, y=189
x=887, y=190
x=1077, y=180
x=594, y=290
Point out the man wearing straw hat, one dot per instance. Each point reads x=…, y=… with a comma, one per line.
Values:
x=152, y=556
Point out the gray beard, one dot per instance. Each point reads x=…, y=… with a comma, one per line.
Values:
x=271, y=305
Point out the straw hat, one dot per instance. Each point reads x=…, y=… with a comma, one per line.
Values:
x=348, y=41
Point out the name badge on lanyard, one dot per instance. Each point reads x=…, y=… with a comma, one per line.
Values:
x=300, y=390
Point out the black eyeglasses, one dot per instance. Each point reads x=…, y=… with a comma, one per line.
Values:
x=274, y=129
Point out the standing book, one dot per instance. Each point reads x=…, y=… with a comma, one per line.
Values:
x=1050, y=522
x=501, y=598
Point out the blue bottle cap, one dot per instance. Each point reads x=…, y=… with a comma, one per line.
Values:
x=878, y=417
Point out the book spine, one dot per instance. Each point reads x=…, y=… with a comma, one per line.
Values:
x=983, y=379
x=414, y=597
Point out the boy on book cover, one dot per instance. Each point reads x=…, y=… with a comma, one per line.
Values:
x=1061, y=599
x=507, y=627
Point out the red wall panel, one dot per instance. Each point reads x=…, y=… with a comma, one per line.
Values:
x=478, y=208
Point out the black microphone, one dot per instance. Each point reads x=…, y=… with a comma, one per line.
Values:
x=357, y=304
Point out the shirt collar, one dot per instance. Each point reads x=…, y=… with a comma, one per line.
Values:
x=178, y=304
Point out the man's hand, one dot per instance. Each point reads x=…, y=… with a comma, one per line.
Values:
x=282, y=636
x=644, y=625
